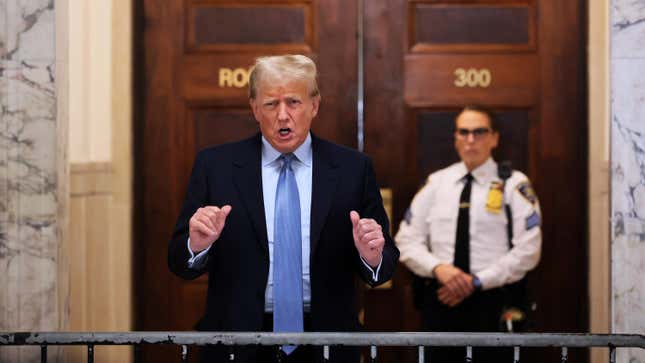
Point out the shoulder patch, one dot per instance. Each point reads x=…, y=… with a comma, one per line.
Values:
x=526, y=190
x=533, y=220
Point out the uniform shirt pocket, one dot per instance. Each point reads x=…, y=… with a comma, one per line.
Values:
x=442, y=224
x=491, y=230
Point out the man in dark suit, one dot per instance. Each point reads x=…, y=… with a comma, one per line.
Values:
x=282, y=222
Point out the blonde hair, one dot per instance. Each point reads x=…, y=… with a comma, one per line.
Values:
x=282, y=69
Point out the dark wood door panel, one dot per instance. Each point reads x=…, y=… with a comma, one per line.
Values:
x=504, y=26
x=216, y=79
x=194, y=308
x=216, y=126
x=446, y=79
x=257, y=26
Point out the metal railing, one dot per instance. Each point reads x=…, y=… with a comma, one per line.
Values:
x=327, y=340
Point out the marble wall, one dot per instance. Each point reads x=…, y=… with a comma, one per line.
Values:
x=627, y=69
x=28, y=172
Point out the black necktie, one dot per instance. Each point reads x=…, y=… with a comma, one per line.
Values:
x=462, y=242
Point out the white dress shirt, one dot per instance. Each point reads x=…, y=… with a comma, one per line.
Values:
x=426, y=237
x=302, y=169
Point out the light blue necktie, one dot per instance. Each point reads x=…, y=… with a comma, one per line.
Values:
x=287, y=255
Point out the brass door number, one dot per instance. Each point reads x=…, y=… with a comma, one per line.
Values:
x=472, y=77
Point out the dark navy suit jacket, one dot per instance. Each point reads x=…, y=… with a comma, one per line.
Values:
x=238, y=262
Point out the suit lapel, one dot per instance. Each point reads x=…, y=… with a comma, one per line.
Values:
x=324, y=182
x=247, y=177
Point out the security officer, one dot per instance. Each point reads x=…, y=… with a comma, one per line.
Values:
x=455, y=237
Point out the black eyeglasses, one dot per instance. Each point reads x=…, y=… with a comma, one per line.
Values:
x=477, y=133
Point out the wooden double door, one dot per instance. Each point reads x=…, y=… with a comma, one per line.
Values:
x=421, y=61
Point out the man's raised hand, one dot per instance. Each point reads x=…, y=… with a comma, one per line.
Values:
x=368, y=238
x=206, y=225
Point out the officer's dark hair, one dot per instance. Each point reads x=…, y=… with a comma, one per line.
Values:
x=481, y=109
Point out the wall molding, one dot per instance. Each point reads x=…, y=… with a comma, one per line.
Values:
x=91, y=178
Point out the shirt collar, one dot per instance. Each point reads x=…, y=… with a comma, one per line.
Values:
x=303, y=153
x=481, y=174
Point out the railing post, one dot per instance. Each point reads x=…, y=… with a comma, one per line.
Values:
x=422, y=354
x=565, y=355
x=373, y=354
x=184, y=353
x=43, y=353
x=137, y=353
x=516, y=354
x=90, y=353
x=326, y=353
x=469, y=354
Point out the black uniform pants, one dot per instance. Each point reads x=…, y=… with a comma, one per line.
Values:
x=480, y=312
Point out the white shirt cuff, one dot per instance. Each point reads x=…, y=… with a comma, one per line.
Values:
x=195, y=260
x=378, y=268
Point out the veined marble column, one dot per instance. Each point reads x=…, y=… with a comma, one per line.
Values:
x=28, y=172
x=628, y=170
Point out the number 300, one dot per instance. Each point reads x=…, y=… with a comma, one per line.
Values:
x=472, y=77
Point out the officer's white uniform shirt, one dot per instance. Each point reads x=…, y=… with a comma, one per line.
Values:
x=426, y=237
